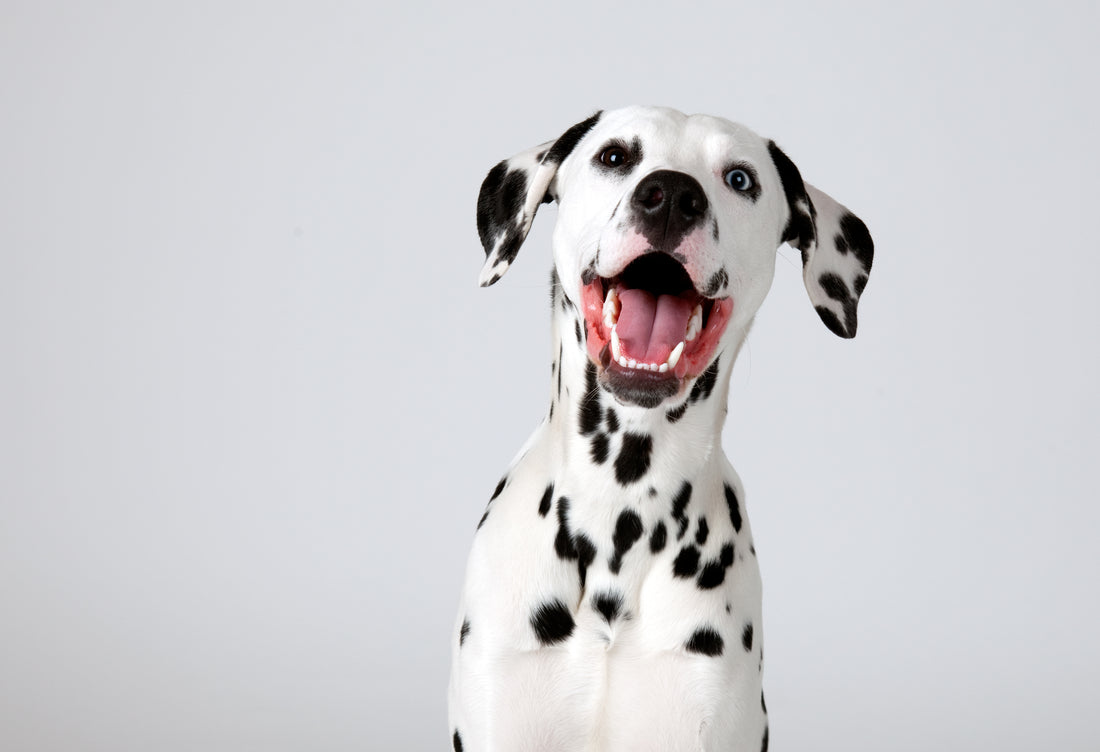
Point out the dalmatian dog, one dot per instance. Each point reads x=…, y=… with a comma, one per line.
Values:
x=612, y=595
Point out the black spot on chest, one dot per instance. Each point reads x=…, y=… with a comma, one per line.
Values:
x=634, y=458
x=746, y=637
x=714, y=572
x=702, y=531
x=679, y=507
x=686, y=563
x=705, y=641
x=599, y=448
x=676, y=413
x=628, y=529
x=552, y=622
x=658, y=538
x=610, y=604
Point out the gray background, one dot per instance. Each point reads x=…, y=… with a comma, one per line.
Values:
x=252, y=402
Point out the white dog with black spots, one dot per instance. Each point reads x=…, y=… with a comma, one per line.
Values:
x=612, y=599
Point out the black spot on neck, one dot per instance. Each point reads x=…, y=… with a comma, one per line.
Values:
x=704, y=385
x=734, y=507
x=634, y=457
x=676, y=413
x=612, y=420
x=590, y=411
x=599, y=448
x=679, y=507
x=746, y=637
x=547, y=498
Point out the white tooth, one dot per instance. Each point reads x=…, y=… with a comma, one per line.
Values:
x=695, y=324
x=616, y=346
x=611, y=308
x=623, y=362
x=633, y=363
x=674, y=357
x=663, y=368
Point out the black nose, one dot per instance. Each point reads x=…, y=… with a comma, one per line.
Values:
x=668, y=205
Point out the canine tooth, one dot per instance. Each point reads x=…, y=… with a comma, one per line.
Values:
x=695, y=324
x=674, y=357
x=616, y=346
x=611, y=308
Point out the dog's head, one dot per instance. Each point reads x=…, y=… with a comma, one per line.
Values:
x=666, y=237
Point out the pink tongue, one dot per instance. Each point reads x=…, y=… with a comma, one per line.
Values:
x=649, y=328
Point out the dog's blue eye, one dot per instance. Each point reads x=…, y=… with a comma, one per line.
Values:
x=738, y=180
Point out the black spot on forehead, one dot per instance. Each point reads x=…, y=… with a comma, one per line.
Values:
x=610, y=604
x=687, y=562
x=547, y=498
x=552, y=622
x=634, y=457
x=658, y=537
x=746, y=637
x=734, y=507
x=705, y=641
x=568, y=141
x=628, y=529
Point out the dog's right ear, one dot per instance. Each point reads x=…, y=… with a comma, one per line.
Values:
x=512, y=193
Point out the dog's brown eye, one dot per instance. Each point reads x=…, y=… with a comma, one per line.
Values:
x=613, y=156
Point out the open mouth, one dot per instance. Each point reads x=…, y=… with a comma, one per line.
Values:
x=650, y=329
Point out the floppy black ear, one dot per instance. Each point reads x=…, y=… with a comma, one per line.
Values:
x=836, y=246
x=512, y=193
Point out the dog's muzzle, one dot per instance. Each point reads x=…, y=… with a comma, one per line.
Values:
x=650, y=330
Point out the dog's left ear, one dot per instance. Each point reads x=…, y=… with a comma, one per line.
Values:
x=512, y=193
x=837, y=249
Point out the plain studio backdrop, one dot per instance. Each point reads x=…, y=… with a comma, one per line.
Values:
x=253, y=403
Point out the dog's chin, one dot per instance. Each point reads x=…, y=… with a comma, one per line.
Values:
x=650, y=331
x=641, y=388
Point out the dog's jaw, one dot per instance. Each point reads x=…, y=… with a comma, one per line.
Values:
x=670, y=333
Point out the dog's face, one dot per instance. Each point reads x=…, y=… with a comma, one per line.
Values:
x=666, y=238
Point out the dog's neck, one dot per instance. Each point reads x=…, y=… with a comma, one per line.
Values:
x=616, y=449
